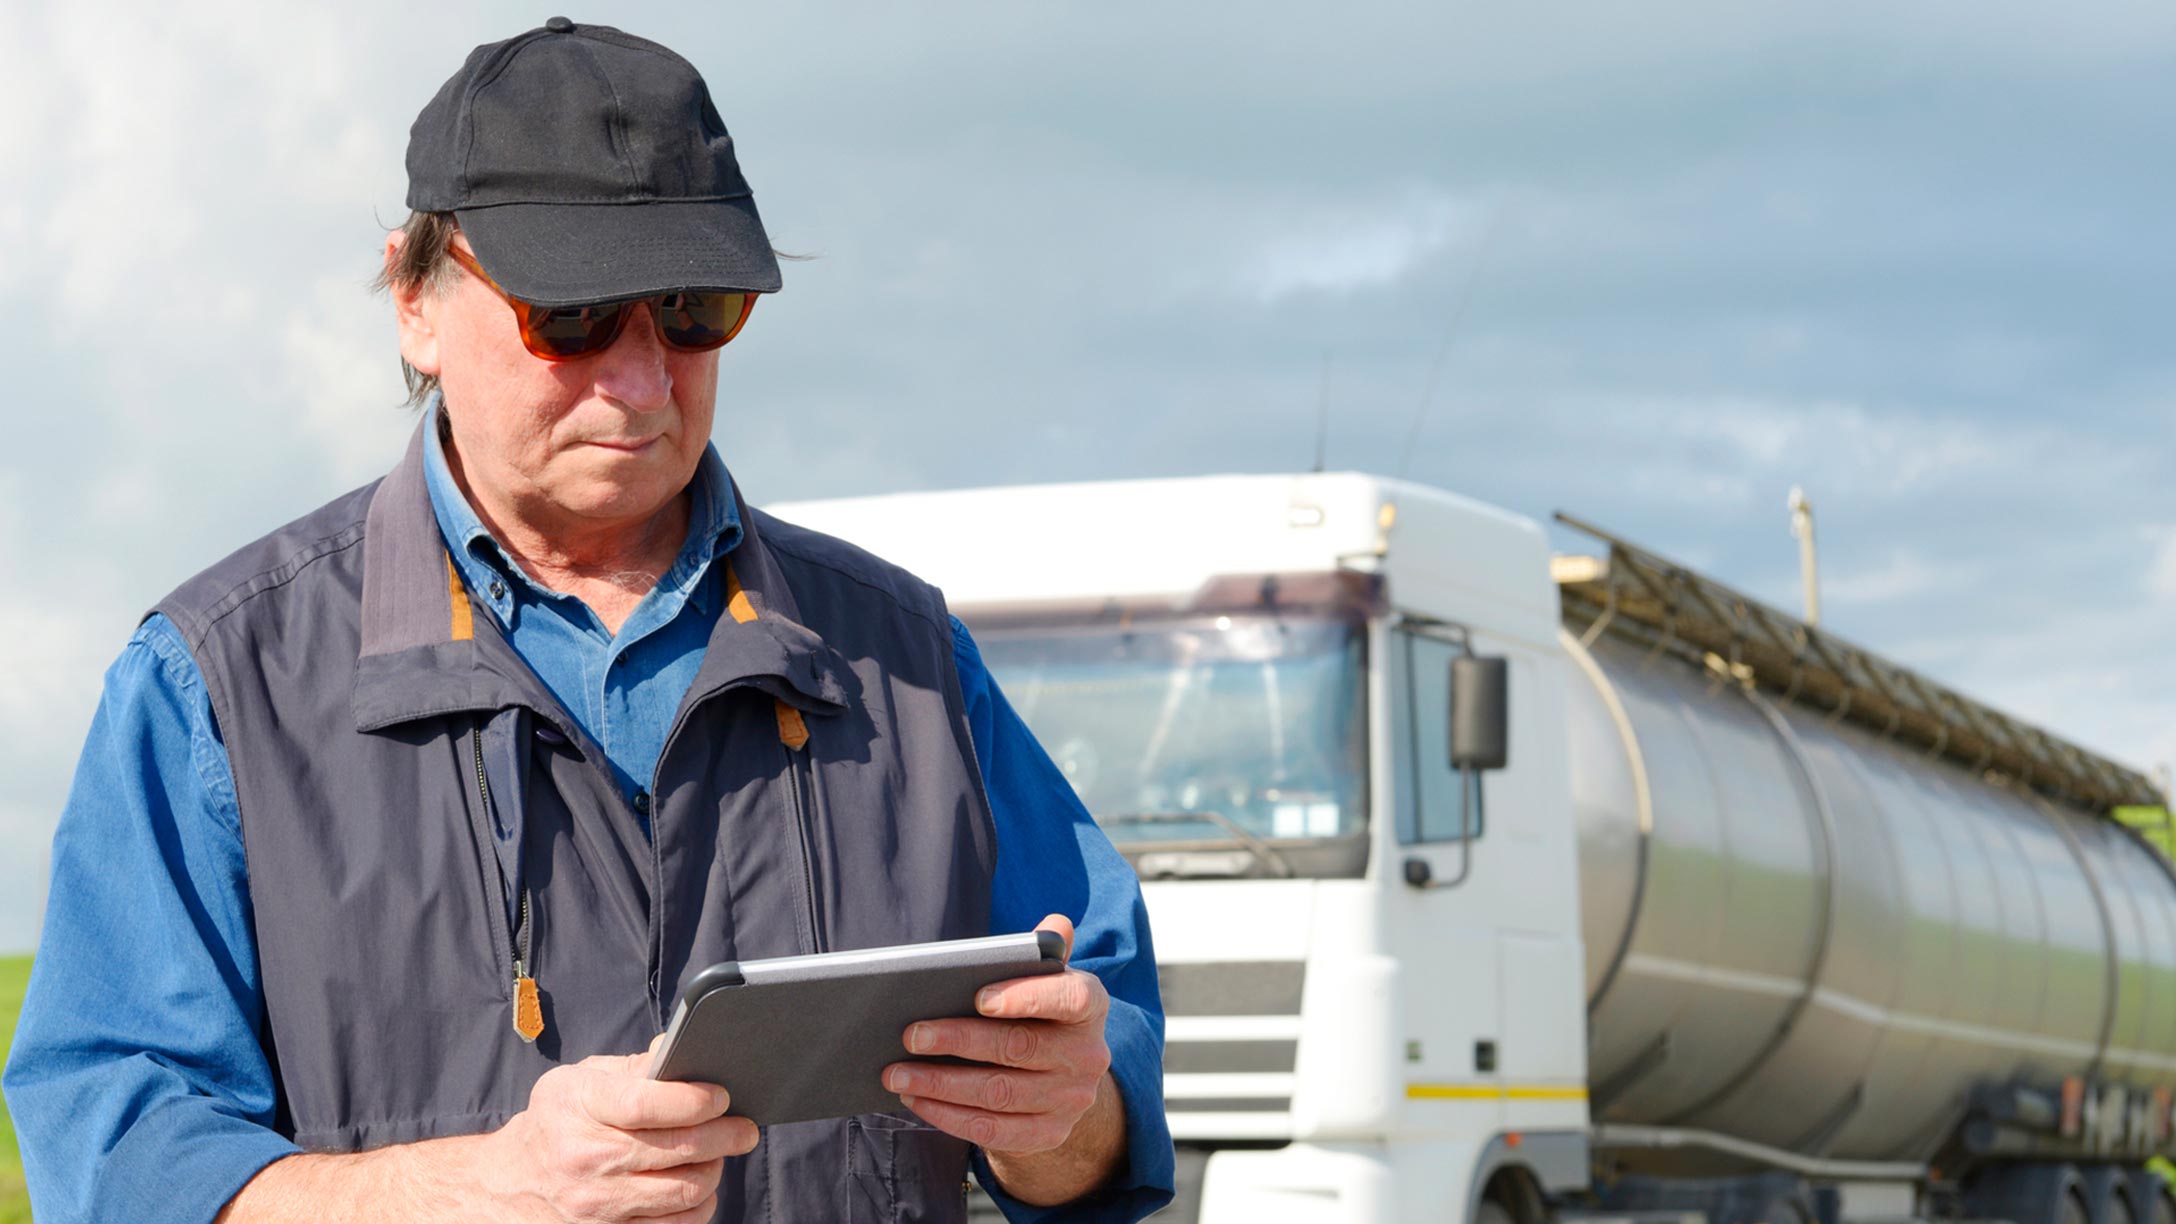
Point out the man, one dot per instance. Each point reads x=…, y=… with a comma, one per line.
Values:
x=397, y=830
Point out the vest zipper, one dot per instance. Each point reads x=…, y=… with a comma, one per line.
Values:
x=528, y=1007
x=797, y=769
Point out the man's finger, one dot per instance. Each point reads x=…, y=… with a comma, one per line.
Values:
x=672, y=1147
x=671, y=1192
x=993, y=1132
x=1071, y=997
x=994, y=1090
x=1035, y=1045
x=632, y=1102
x=702, y=1213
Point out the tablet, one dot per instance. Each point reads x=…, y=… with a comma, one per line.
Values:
x=803, y=1037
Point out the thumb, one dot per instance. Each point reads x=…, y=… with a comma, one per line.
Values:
x=639, y=1064
x=1063, y=926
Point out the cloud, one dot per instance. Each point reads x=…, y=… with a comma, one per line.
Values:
x=1905, y=575
x=1854, y=247
x=2161, y=567
x=1350, y=251
x=339, y=360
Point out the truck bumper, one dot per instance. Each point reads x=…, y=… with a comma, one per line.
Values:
x=1300, y=1184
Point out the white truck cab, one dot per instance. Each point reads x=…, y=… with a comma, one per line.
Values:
x=1478, y=894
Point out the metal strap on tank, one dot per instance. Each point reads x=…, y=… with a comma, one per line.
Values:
x=2138, y=906
x=1829, y=903
x=1643, y=802
x=2110, y=977
x=2168, y=868
x=2008, y=831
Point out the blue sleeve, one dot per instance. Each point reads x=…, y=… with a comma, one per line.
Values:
x=137, y=1082
x=1053, y=859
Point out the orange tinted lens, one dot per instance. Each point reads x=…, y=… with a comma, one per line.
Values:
x=698, y=321
x=571, y=331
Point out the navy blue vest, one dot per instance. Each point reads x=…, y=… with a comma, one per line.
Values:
x=419, y=813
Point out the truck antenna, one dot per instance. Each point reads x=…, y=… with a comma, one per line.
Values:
x=1322, y=414
x=1450, y=339
x=1809, y=564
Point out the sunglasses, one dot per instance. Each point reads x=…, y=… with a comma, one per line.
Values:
x=692, y=321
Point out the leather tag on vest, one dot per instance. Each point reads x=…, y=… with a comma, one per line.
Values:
x=528, y=1009
x=792, y=731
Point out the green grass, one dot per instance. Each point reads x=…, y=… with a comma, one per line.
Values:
x=2152, y=823
x=14, y=1202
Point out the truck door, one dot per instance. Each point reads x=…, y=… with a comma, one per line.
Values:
x=1483, y=881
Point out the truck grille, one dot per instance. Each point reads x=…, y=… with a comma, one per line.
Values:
x=1232, y=1039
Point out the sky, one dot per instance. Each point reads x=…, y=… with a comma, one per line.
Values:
x=1653, y=264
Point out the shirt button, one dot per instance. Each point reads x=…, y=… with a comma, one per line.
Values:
x=498, y=589
x=642, y=803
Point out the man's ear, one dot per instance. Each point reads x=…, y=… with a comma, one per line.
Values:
x=415, y=312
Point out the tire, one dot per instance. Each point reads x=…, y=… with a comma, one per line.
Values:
x=2074, y=1210
x=2151, y=1202
x=1493, y=1212
x=2109, y=1195
x=1788, y=1202
x=1789, y=1211
x=2030, y=1193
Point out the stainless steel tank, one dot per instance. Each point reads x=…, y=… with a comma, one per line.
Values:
x=1802, y=934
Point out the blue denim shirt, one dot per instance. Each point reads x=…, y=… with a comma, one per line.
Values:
x=138, y=1083
x=623, y=689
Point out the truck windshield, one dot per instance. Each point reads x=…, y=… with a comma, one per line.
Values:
x=1238, y=730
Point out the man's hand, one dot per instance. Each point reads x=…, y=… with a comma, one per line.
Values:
x=600, y=1143
x=1045, y=1111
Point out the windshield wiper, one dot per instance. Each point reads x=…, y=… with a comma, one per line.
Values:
x=1262, y=850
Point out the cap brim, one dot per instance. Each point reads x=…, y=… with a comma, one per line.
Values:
x=568, y=254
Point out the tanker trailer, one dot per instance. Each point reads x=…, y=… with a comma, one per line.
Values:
x=1902, y=933
x=1500, y=888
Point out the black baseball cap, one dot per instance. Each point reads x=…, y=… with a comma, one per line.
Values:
x=586, y=165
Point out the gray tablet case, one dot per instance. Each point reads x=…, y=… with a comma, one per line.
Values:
x=805, y=1037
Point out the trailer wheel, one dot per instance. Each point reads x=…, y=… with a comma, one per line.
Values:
x=2074, y=1209
x=2029, y=1194
x=2108, y=1195
x=2151, y=1200
x=1493, y=1212
x=2162, y=1210
x=2120, y=1211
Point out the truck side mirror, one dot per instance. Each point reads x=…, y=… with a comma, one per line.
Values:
x=1480, y=712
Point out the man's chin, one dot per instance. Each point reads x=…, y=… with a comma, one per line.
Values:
x=633, y=491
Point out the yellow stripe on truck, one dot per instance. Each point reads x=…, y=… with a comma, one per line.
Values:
x=1495, y=1092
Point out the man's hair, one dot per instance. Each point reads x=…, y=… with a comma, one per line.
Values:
x=422, y=261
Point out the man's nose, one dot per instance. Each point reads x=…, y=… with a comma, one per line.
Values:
x=633, y=370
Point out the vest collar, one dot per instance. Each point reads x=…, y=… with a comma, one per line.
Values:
x=760, y=639
x=428, y=651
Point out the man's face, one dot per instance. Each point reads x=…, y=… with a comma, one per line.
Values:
x=598, y=441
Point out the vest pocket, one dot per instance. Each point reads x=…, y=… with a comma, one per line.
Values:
x=902, y=1170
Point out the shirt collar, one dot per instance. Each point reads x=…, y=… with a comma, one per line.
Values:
x=714, y=529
